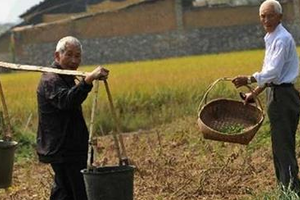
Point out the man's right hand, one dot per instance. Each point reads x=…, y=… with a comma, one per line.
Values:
x=240, y=81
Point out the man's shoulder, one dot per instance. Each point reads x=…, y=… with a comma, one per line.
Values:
x=46, y=76
x=284, y=34
x=49, y=79
x=283, y=38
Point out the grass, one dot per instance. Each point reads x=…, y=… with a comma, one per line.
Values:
x=276, y=194
x=163, y=94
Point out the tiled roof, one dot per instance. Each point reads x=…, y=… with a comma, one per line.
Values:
x=66, y=6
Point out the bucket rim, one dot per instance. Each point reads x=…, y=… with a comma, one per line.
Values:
x=8, y=144
x=122, y=168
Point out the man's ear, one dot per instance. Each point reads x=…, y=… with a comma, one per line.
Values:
x=57, y=56
x=280, y=17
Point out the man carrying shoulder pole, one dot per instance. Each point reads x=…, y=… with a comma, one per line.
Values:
x=62, y=137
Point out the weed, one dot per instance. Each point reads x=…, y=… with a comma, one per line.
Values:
x=26, y=144
x=232, y=129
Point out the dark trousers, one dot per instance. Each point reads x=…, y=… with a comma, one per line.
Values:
x=68, y=182
x=283, y=112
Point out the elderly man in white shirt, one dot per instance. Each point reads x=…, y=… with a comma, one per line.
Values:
x=278, y=75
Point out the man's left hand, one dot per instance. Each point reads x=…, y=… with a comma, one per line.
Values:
x=100, y=73
x=249, y=98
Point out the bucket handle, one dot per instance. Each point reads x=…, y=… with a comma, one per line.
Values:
x=210, y=87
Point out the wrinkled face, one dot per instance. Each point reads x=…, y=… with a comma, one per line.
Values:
x=269, y=18
x=70, y=58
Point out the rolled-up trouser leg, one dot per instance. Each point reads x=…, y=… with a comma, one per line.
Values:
x=283, y=112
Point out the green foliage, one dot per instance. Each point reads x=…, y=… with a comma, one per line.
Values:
x=277, y=194
x=26, y=144
x=232, y=129
x=140, y=110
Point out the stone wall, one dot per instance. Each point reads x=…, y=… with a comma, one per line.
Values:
x=173, y=44
x=154, y=46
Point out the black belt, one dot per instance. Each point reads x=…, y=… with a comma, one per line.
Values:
x=280, y=85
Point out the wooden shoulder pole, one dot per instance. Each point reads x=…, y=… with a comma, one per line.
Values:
x=33, y=68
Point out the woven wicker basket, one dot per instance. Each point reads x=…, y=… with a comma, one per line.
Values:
x=217, y=114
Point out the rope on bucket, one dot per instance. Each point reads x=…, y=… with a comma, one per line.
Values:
x=7, y=129
x=123, y=159
x=90, y=159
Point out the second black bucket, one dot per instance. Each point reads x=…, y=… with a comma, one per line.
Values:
x=109, y=183
x=7, y=152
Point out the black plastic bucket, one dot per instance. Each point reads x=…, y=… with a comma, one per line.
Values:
x=109, y=183
x=7, y=152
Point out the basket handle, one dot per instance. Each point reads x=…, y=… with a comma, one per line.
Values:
x=210, y=87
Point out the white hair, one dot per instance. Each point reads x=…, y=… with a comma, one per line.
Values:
x=61, y=45
x=274, y=3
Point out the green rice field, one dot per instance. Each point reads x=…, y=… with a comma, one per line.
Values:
x=145, y=93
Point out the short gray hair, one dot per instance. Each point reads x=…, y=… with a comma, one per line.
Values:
x=274, y=3
x=61, y=45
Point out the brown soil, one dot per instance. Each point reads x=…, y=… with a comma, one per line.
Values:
x=173, y=162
